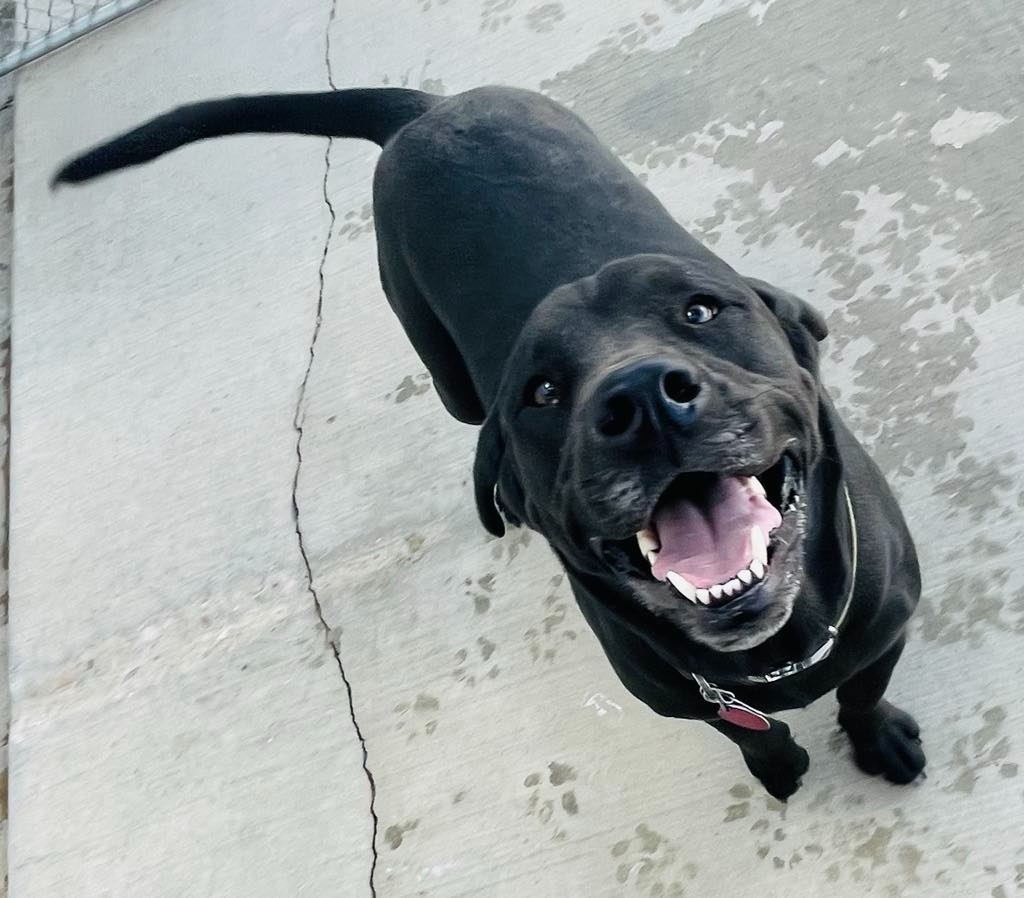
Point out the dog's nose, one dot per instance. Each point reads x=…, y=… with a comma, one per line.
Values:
x=646, y=394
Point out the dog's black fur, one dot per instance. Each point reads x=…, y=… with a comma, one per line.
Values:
x=541, y=282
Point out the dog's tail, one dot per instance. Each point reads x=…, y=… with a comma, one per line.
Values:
x=375, y=114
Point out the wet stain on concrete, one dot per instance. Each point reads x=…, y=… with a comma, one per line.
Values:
x=981, y=488
x=395, y=834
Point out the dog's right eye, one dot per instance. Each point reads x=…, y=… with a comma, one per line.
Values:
x=543, y=393
x=701, y=310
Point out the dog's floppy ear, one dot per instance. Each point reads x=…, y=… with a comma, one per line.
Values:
x=490, y=450
x=802, y=324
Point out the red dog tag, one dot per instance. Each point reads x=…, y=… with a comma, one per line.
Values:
x=742, y=717
x=730, y=708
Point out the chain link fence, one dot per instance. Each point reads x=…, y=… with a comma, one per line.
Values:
x=31, y=28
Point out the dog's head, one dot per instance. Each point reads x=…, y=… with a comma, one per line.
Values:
x=656, y=423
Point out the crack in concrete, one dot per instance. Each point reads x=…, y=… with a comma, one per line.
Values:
x=298, y=424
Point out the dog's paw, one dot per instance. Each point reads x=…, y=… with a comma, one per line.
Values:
x=781, y=775
x=885, y=741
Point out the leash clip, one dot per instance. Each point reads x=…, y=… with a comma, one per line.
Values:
x=730, y=708
x=711, y=693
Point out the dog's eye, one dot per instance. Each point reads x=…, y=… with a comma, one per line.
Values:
x=701, y=310
x=542, y=393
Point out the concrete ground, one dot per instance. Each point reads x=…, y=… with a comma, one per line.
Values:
x=6, y=215
x=430, y=716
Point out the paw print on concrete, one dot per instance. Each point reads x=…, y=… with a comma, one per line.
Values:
x=651, y=864
x=357, y=223
x=770, y=814
x=412, y=385
x=496, y=14
x=509, y=546
x=544, y=18
x=746, y=798
x=984, y=749
x=480, y=591
x=552, y=799
x=843, y=838
x=1013, y=881
x=414, y=543
x=972, y=604
x=681, y=6
x=551, y=634
x=473, y=666
x=418, y=717
x=635, y=34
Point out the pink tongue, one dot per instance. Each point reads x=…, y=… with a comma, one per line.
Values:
x=707, y=538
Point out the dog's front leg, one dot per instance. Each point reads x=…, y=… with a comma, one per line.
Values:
x=885, y=739
x=773, y=756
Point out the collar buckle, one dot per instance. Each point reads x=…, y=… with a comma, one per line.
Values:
x=795, y=667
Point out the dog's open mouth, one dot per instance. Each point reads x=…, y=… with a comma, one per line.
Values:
x=714, y=537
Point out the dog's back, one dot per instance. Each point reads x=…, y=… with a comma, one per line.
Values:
x=508, y=183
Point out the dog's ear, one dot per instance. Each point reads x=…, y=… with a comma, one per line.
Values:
x=490, y=450
x=802, y=324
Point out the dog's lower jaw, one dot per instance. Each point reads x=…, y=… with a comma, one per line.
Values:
x=718, y=632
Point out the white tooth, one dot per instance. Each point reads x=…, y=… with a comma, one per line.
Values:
x=683, y=585
x=648, y=541
x=756, y=486
x=757, y=569
x=703, y=596
x=716, y=591
x=734, y=585
x=746, y=576
x=758, y=545
x=727, y=588
x=651, y=558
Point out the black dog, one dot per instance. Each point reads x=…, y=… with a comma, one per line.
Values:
x=655, y=416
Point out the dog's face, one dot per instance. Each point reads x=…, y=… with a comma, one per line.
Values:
x=655, y=423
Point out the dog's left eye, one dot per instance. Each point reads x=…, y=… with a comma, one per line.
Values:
x=701, y=311
x=542, y=393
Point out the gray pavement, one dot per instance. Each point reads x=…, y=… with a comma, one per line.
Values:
x=6, y=215
x=180, y=723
